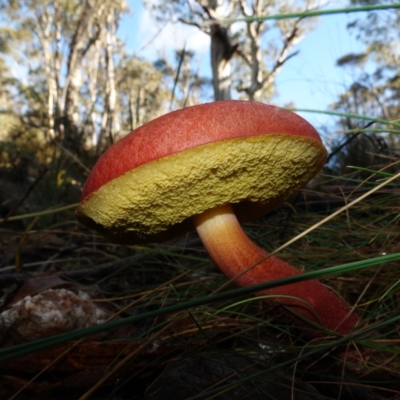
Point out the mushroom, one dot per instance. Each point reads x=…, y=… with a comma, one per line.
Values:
x=213, y=166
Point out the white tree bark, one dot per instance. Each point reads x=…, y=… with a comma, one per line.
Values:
x=221, y=51
x=221, y=54
x=108, y=123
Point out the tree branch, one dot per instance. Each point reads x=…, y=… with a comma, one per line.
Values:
x=244, y=56
x=192, y=23
x=277, y=67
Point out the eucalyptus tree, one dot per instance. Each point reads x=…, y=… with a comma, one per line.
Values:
x=246, y=53
x=204, y=15
x=376, y=87
x=188, y=86
x=265, y=46
x=373, y=90
x=7, y=81
x=148, y=89
x=55, y=63
x=142, y=91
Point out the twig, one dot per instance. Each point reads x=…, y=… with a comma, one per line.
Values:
x=23, y=198
x=339, y=148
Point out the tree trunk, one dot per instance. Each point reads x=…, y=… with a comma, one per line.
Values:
x=221, y=54
x=84, y=37
x=108, y=122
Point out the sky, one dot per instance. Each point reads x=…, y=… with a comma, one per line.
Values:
x=311, y=80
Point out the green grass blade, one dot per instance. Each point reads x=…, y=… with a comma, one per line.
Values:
x=347, y=115
x=314, y=13
x=32, y=347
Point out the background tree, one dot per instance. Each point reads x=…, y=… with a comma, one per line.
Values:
x=257, y=61
x=188, y=86
x=142, y=91
x=204, y=15
x=375, y=90
x=61, y=34
x=264, y=47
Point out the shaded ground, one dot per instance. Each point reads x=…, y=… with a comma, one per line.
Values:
x=249, y=347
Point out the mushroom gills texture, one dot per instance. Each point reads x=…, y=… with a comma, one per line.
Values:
x=172, y=189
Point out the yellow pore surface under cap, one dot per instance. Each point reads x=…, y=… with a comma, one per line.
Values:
x=150, y=198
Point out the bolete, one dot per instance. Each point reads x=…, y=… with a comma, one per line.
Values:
x=209, y=167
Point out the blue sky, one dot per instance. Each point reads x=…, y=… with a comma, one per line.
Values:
x=310, y=80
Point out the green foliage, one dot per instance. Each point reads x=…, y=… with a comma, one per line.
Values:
x=374, y=92
x=142, y=92
x=19, y=144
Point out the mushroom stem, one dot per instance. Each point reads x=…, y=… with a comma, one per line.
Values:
x=308, y=302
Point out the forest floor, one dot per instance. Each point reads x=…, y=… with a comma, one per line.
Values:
x=229, y=348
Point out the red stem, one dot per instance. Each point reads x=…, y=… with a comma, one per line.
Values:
x=233, y=251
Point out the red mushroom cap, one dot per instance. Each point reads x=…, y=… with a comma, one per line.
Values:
x=196, y=134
